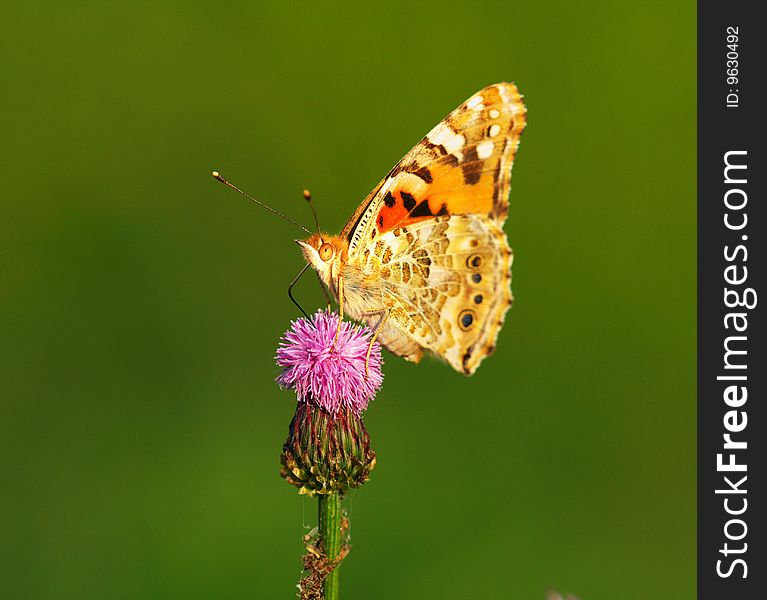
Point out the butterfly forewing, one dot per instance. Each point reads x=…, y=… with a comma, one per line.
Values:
x=463, y=165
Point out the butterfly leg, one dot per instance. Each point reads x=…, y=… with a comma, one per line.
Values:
x=324, y=291
x=384, y=312
x=290, y=290
x=340, y=307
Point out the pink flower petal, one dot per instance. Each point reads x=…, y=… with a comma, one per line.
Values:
x=329, y=375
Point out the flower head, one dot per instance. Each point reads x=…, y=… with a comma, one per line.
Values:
x=326, y=371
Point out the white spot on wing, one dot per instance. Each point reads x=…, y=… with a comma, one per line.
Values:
x=474, y=101
x=502, y=91
x=452, y=141
x=485, y=149
x=494, y=113
x=494, y=130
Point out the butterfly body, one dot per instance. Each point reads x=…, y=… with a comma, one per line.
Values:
x=424, y=259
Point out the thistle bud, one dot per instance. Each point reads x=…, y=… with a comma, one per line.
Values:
x=325, y=453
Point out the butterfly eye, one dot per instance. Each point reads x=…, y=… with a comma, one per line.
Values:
x=326, y=252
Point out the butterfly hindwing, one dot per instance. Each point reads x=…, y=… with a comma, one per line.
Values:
x=445, y=282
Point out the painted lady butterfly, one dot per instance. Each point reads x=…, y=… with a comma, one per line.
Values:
x=424, y=260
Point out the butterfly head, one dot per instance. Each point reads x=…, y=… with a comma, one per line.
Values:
x=325, y=253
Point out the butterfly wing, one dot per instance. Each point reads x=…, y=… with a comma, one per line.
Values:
x=430, y=235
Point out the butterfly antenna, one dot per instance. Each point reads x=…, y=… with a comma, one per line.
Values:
x=308, y=198
x=217, y=175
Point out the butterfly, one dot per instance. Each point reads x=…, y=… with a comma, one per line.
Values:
x=424, y=260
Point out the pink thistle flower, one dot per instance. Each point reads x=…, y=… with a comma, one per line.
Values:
x=327, y=374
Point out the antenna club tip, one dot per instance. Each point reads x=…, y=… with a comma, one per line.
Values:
x=216, y=174
x=307, y=195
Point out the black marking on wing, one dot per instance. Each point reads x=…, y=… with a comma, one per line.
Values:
x=422, y=210
x=424, y=174
x=409, y=201
x=471, y=166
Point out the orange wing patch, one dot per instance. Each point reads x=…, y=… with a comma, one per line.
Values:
x=406, y=204
x=458, y=193
x=456, y=187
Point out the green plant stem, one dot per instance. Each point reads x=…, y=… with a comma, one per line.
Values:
x=330, y=532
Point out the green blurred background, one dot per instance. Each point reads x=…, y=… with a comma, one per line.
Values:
x=141, y=301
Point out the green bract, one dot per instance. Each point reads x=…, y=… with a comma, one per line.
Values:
x=326, y=454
